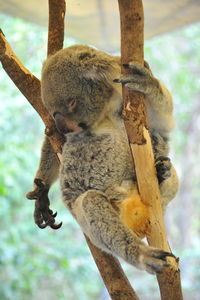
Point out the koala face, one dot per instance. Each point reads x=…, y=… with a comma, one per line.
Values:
x=77, y=84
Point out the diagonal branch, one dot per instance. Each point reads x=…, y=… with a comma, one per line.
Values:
x=132, y=23
x=29, y=85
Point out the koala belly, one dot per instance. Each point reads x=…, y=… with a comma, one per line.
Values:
x=92, y=161
x=99, y=163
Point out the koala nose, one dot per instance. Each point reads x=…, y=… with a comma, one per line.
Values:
x=60, y=122
x=65, y=125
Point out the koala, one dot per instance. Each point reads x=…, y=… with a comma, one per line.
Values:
x=81, y=90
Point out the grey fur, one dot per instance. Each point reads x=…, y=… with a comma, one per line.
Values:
x=97, y=166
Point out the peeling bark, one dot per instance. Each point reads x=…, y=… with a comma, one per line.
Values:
x=132, y=23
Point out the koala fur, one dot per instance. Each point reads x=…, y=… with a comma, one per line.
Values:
x=97, y=177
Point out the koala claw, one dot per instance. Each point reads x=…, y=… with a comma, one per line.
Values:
x=153, y=260
x=43, y=215
x=139, y=68
x=163, y=167
x=139, y=79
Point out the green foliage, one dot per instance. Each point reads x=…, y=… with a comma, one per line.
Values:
x=51, y=264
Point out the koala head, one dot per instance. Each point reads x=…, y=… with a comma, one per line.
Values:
x=77, y=84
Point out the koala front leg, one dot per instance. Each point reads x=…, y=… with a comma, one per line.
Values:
x=101, y=223
x=46, y=174
x=141, y=79
x=49, y=165
x=158, y=99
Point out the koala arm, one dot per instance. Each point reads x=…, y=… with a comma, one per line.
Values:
x=49, y=165
x=169, y=186
x=158, y=99
x=101, y=223
x=46, y=174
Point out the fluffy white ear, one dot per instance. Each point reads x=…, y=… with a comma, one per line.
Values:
x=95, y=74
x=101, y=73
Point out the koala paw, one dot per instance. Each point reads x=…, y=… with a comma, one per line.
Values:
x=163, y=167
x=140, y=79
x=153, y=260
x=43, y=215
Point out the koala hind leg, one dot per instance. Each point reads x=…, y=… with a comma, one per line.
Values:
x=101, y=223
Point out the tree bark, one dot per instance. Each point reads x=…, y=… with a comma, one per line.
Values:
x=114, y=278
x=132, y=41
x=56, y=26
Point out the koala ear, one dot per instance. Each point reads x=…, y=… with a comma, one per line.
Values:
x=96, y=74
x=93, y=64
x=99, y=71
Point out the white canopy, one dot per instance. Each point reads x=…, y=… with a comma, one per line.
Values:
x=96, y=22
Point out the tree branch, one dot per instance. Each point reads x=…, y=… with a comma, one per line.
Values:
x=112, y=274
x=56, y=26
x=132, y=24
x=109, y=267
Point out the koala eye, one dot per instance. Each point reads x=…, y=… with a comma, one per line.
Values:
x=71, y=105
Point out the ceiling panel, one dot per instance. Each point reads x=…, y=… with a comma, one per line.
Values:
x=96, y=22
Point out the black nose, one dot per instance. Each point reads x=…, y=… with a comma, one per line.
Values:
x=60, y=123
x=54, y=114
x=84, y=126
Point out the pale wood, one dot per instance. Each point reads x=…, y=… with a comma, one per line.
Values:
x=149, y=191
x=132, y=40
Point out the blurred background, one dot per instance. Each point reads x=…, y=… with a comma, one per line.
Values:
x=57, y=265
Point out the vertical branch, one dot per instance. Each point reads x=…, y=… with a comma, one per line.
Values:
x=132, y=28
x=56, y=25
x=132, y=41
